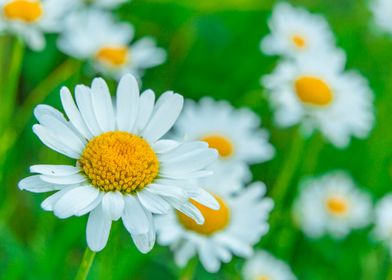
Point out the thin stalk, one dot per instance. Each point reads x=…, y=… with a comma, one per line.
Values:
x=188, y=273
x=85, y=265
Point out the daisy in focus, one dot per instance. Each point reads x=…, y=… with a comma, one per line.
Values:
x=295, y=31
x=314, y=91
x=332, y=204
x=383, y=221
x=382, y=12
x=123, y=169
x=233, y=229
x=263, y=266
x=108, y=50
x=31, y=19
x=234, y=133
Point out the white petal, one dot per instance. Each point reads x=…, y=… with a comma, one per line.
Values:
x=73, y=113
x=98, y=229
x=208, y=258
x=127, y=104
x=146, y=107
x=203, y=197
x=36, y=185
x=182, y=149
x=102, y=104
x=53, y=142
x=163, y=118
x=83, y=99
x=134, y=217
x=168, y=190
x=188, y=209
x=113, y=205
x=152, y=202
x=42, y=110
x=164, y=146
x=145, y=242
x=75, y=200
x=54, y=170
x=49, y=202
x=184, y=253
x=64, y=133
x=64, y=180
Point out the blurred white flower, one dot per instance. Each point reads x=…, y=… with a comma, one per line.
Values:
x=234, y=133
x=332, y=204
x=239, y=224
x=31, y=19
x=314, y=91
x=94, y=35
x=264, y=266
x=382, y=12
x=295, y=31
x=383, y=221
x=123, y=168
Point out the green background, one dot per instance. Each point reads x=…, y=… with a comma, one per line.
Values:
x=213, y=50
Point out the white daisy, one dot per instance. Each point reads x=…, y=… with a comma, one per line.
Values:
x=123, y=168
x=30, y=19
x=314, y=91
x=332, y=204
x=295, y=31
x=382, y=12
x=264, y=266
x=383, y=221
x=108, y=50
x=234, y=133
x=239, y=223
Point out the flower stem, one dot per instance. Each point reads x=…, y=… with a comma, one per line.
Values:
x=85, y=265
x=279, y=191
x=188, y=273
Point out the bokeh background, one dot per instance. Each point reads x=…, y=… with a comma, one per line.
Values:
x=213, y=50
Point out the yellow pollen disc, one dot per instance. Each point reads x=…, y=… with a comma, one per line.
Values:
x=313, y=91
x=114, y=56
x=220, y=143
x=298, y=41
x=119, y=161
x=337, y=206
x=25, y=10
x=263, y=277
x=215, y=220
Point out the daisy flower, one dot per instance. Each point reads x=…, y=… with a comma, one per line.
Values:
x=295, y=31
x=30, y=19
x=233, y=229
x=383, y=221
x=382, y=12
x=234, y=133
x=332, y=204
x=123, y=168
x=314, y=91
x=264, y=266
x=108, y=50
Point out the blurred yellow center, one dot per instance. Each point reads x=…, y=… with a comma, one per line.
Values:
x=215, y=220
x=221, y=143
x=119, y=161
x=262, y=277
x=337, y=205
x=25, y=10
x=298, y=41
x=313, y=90
x=114, y=56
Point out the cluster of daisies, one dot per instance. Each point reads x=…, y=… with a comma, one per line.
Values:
x=87, y=31
x=184, y=178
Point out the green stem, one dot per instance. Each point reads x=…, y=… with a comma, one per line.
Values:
x=85, y=265
x=188, y=273
x=14, y=129
x=280, y=189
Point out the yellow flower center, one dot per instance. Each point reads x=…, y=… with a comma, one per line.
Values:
x=262, y=277
x=221, y=143
x=313, y=91
x=25, y=10
x=113, y=56
x=215, y=220
x=299, y=41
x=119, y=161
x=337, y=205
